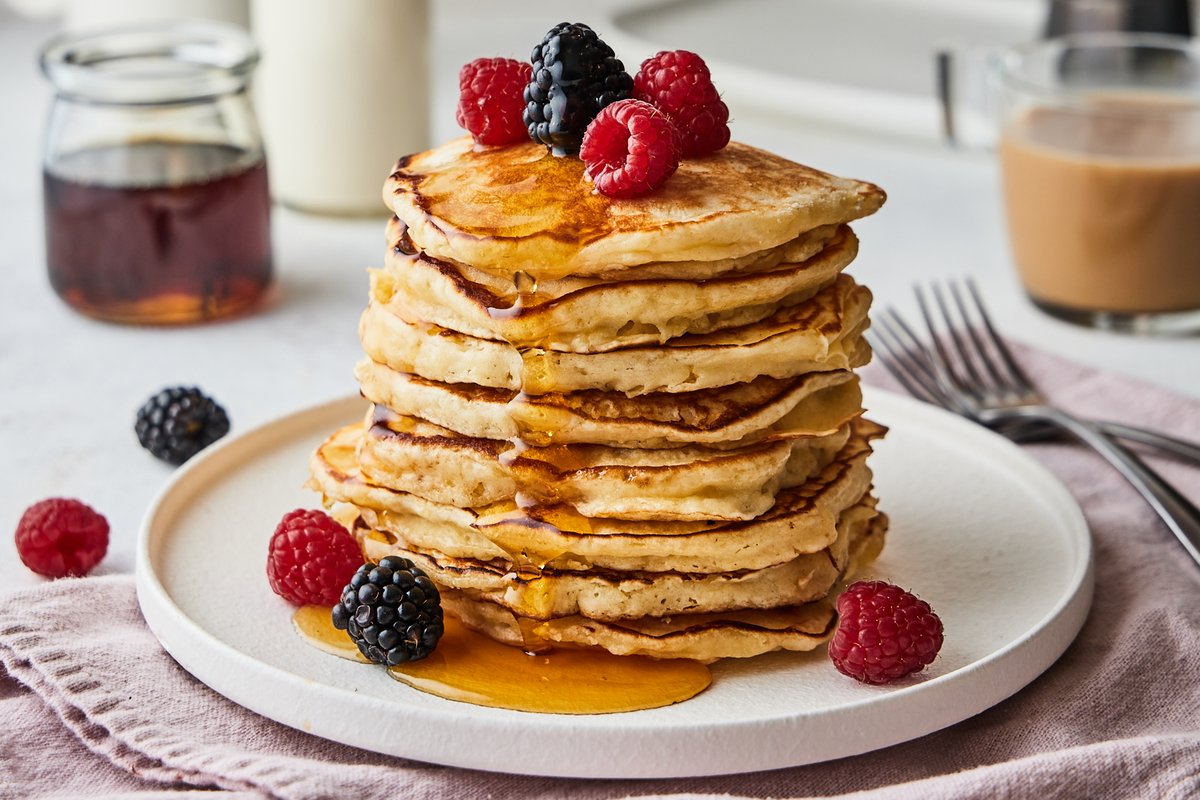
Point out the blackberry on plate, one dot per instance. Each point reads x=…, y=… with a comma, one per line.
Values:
x=179, y=422
x=391, y=610
x=575, y=75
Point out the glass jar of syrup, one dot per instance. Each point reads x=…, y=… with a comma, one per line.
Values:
x=155, y=182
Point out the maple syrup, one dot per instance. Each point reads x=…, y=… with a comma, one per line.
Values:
x=472, y=668
x=158, y=232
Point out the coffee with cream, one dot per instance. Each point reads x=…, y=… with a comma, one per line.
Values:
x=1103, y=204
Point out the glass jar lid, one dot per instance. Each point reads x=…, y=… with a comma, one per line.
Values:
x=181, y=62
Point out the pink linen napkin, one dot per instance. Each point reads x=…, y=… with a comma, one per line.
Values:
x=90, y=705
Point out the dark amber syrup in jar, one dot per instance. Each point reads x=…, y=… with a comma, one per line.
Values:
x=158, y=232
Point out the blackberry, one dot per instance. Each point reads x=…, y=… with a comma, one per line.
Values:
x=575, y=75
x=391, y=610
x=179, y=422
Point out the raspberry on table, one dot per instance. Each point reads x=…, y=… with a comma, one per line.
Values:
x=679, y=83
x=491, y=100
x=884, y=633
x=392, y=611
x=575, y=76
x=61, y=536
x=310, y=558
x=179, y=422
x=629, y=149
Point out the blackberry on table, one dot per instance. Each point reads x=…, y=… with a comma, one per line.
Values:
x=575, y=75
x=392, y=611
x=179, y=422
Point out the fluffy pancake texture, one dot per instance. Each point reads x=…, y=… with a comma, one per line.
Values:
x=822, y=333
x=800, y=520
x=596, y=316
x=520, y=208
x=814, y=403
x=622, y=424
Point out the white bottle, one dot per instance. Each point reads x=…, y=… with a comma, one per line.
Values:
x=342, y=91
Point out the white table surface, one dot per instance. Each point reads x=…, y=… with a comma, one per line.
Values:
x=70, y=386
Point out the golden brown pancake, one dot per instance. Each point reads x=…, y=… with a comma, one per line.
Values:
x=703, y=636
x=518, y=208
x=686, y=482
x=612, y=595
x=815, y=403
x=822, y=333
x=800, y=521
x=589, y=316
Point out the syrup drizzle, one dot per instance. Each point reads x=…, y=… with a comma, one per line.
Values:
x=472, y=668
x=532, y=441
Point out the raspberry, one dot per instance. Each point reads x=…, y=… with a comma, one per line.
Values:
x=884, y=633
x=678, y=82
x=61, y=536
x=629, y=149
x=703, y=129
x=491, y=100
x=310, y=558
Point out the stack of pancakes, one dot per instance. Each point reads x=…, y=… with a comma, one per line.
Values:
x=622, y=423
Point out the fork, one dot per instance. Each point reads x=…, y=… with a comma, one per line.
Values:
x=969, y=369
x=913, y=364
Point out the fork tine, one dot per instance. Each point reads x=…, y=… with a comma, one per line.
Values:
x=905, y=365
x=955, y=333
x=999, y=381
x=912, y=345
x=907, y=342
x=939, y=354
x=997, y=340
x=892, y=362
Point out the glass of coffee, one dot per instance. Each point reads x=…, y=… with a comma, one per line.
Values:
x=155, y=182
x=1100, y=161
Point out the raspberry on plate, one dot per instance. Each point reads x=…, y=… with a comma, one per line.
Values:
x=884, y=633
x=61, y=536
x=310, y=558
x=491, y=100
x=629, y=149
x=679, y=83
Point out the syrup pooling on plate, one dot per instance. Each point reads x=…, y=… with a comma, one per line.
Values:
x=471, y=668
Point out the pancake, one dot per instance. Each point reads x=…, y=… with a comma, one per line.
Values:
x=685, y=482
x=815, y=403
x=611, y=595
x=520, y=208
x=702, y=636
x=596, y=316
x=800, y=521
x=822, y=333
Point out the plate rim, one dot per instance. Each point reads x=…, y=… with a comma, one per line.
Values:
x=208, y=658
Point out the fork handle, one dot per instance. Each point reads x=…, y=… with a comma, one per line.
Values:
x=1168, y=444
x=1179, y=513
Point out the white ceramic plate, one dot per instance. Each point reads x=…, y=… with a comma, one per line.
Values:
x=985, y=534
